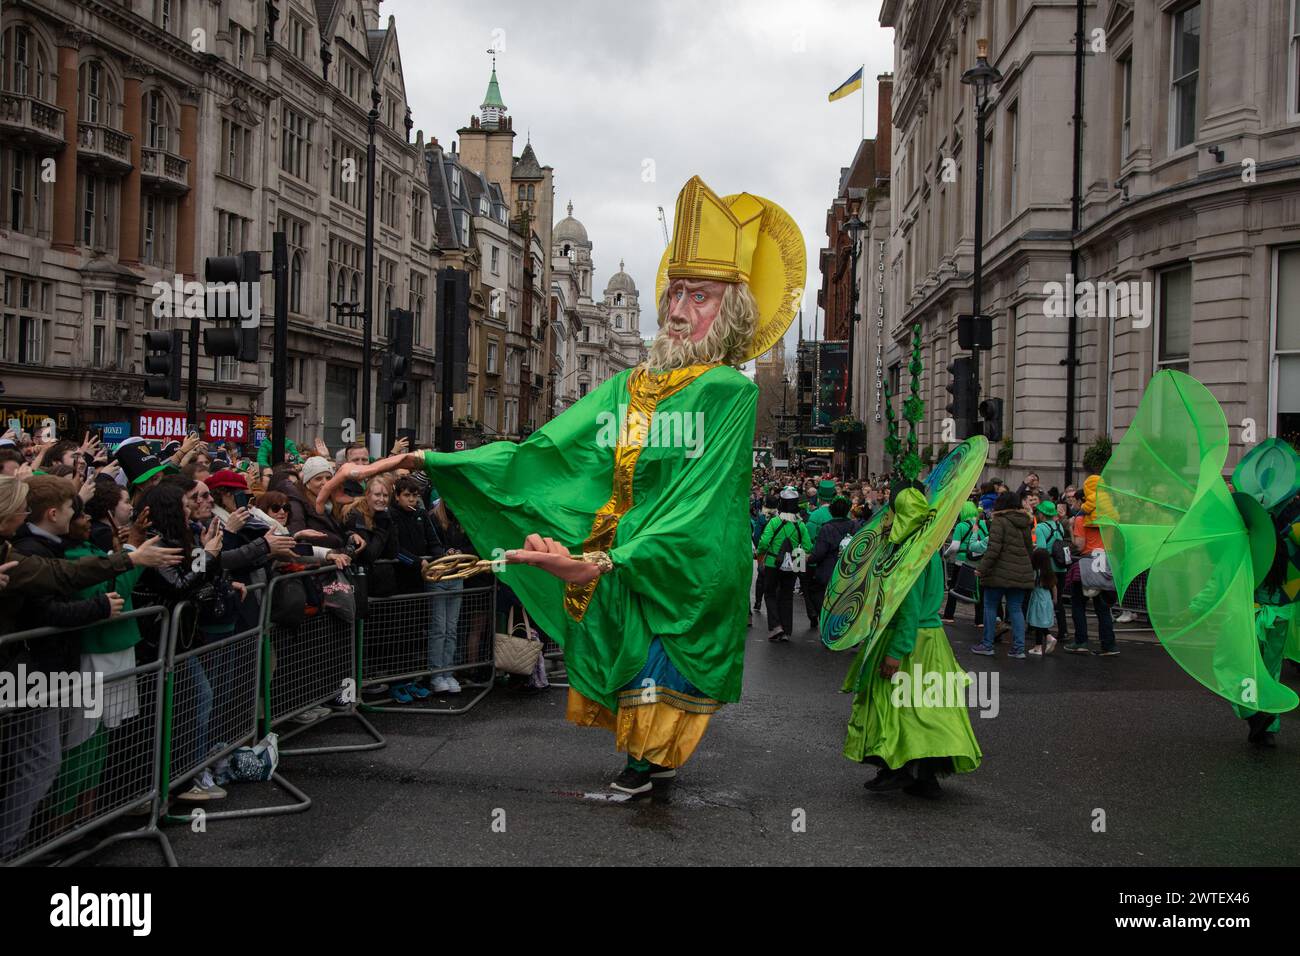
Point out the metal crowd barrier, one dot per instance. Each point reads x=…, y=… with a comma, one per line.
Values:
x=210, y=708
x=82, y=759
x=312, y=665
x=439, y=631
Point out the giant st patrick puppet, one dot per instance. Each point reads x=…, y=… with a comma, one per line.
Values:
x=625, y=519
x=1222, y=568
x=885, y=598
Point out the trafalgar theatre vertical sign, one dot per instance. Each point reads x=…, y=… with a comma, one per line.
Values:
x=880, y=331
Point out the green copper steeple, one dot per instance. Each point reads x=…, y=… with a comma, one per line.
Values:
x=493, y=96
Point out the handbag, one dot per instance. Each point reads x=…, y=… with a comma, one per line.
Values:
x=965, y=583
x=289, y=603
x=514, y=654
x=339, y=597
x=1094, y=572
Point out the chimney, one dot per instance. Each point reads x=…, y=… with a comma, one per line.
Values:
x=884, y=124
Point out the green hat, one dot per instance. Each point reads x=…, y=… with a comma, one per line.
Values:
x=825, y=490
x=1269, y=473
x=1047, y=509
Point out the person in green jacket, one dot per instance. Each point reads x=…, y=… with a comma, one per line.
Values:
x=264, y=453
x=785, y=536
x=107, y=649
x=971, y=529
x=896, y=723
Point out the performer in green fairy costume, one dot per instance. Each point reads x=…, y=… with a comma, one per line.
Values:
x=909, y=707
x=625, y=520
x=1223, y=567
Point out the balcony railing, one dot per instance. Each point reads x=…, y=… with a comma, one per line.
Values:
x=164, y=171
x=26, y=120
x=104, y=148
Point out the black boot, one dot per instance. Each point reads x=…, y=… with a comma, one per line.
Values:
x=886, y=779
x=1259, y=732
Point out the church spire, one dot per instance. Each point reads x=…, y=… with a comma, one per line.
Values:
x=492, y=108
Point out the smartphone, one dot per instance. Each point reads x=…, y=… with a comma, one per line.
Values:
x=241, y=499
x=16, y=426
x=303, y=549
x=409, y=435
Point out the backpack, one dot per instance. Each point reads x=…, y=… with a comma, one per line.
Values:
x=786, y=553
x=1060, y=551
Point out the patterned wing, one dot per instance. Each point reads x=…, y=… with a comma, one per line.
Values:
x=872, y=576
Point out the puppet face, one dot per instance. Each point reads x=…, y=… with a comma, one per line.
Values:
x=693, y=305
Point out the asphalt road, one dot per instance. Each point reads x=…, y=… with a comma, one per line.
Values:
x=512, y=783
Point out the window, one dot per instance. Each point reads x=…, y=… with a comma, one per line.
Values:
x=1011, y=168
x=1175, y=334
x=167, y=14
x=295, y=236
x=239, y=44
x=496, y=261
x=295, y=144
x=347, y=172
x=298, y=36
x=1286, y=344
x=19, y=168
x=158, y=118
x=417, y=215
x=344, y=273
x=236, y=140
x=97, y=348
x=1185, y=70
x=387, y=269
x=24, y=63
x=416, y=304
x=492, y=358
x=388, y=198
x=1293, y=96
x=96, y=199
x=1126, y=106
x=92, y=91
x=121, y=347
x=149, y=233
x=582, y=361
x=490, y=411
x=582, y=389
x=227, y=368
x=232, y=233
x=31, y=350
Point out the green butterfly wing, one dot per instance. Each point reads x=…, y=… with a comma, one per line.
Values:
x=872, y=576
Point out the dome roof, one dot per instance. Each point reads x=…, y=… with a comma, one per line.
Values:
x=569, y=228
x=621, y=281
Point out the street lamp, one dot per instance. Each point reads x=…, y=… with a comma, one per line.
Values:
x=367, y=334
x=982, y=77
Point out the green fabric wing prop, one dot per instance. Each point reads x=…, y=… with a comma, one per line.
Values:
x=1163, y=506
x=873, y=576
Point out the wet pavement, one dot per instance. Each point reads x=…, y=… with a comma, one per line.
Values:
x=1092, y=761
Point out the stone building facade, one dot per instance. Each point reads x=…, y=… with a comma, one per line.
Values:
x=179, y=130
x=1190, y=192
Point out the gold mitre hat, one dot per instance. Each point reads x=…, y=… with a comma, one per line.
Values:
x=739, y=238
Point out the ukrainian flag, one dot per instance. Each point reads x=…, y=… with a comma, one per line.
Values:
x=853, y=83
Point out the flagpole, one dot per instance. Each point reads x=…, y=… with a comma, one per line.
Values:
x=863, y=90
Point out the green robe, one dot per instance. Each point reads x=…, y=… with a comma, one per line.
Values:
x=682, y=552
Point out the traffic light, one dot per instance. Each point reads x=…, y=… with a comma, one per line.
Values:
x=238, y=305
x=961, y=385
x=395, y=363
x=162, y=365
x=991, y=412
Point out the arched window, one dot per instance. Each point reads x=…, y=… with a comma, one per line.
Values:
x=618, y=298
x=159, y=120
x=356, y=289
x=565, y=251
x=26, y=64
x=95, y=89
x=530, y=192
x=295, y=282
x=521, y=191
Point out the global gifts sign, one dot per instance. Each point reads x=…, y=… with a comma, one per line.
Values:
x=232, y=428
x=162, y=426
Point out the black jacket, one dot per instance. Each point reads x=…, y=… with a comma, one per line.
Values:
x=379, y=556
x=826, y=549
x=416, y=538
x=303, y=516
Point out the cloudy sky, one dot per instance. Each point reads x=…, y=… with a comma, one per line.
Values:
x=617, y=93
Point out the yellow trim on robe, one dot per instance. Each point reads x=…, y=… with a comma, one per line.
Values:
x=661, y=732
x=645, y=391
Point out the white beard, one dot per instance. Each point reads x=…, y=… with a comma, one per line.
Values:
x=667, y=353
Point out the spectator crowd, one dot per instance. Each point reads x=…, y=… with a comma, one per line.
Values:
x=90, y=534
